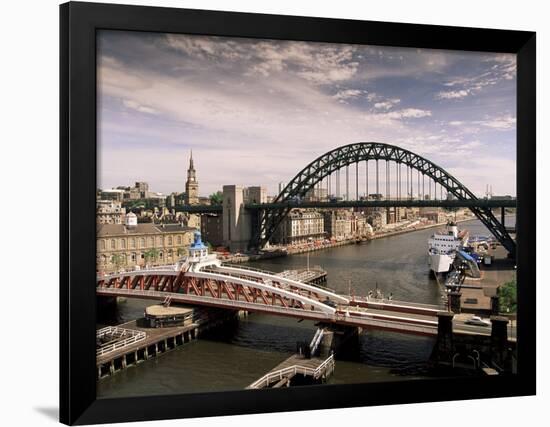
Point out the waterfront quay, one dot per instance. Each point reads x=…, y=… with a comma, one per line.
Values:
x=480, y=295
x=323, y=244
x=131, y=343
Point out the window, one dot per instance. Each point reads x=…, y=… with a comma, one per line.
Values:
x=113, y=244
x=133, y=257
x=102, y=245
x=179, y=240
x=123, y=244
x=142, y=242
x=169, y=240
x=151, y=241
x=132, y=243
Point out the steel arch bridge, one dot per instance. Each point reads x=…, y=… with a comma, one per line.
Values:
x=355, y=153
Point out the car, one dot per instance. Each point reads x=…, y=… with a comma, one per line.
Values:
x=330, y=303
x=477, y=321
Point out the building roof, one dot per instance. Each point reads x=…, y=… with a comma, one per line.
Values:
x=104, y=230
x=162, y=311
x=174, y=228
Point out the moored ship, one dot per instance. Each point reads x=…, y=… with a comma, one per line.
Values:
x=442, y=248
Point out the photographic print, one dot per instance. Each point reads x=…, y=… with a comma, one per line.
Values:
x=281, y=214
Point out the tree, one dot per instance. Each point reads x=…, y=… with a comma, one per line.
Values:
x=151, y=255
x=118, y=260
x=182, y=251
x=216, y=198
x=507, y=295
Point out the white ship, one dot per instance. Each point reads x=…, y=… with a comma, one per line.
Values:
x=442, y=248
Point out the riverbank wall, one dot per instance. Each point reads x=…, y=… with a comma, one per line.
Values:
x=313, y=248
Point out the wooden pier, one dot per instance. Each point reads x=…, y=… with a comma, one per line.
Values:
x=156, y=342
x=296, y=367
x=144, y=342
x=313, y=276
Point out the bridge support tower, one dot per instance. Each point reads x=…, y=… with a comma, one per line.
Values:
x=444, y=345
x=239, y=223
x=338, y=339
x=500, y=351
x=454, y=301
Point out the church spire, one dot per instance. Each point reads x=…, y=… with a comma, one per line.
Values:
x=191, y=186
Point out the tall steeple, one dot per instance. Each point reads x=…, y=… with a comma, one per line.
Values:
x=192, y=185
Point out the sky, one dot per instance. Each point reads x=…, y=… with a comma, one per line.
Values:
x=255, y=112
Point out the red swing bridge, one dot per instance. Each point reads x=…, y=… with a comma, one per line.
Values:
x=202, y=280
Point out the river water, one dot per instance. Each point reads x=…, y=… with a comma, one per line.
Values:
x=239, y=354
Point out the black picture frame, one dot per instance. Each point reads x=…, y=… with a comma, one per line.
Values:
x=78, y=25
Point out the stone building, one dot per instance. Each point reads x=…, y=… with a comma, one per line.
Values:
x=301, y=225
x=212, y=229
x=377, y=219
x=341, y=224
x=338, y=224
x=360, y=226
x=127, y=245
x=435, y=216
x=109, y=212
x=139, y=191
x=432, y=214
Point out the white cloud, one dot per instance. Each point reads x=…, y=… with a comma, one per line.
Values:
x=387, y=105
x=453, y=94
x=128, y=103
x=499, y=123
x=408, y=113
x=499, y=68
x=319, y=63
x=345, y=94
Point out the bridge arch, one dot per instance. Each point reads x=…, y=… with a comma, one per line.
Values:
x=343, y=156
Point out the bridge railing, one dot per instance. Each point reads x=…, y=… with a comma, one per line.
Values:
x=133, y=337
x=424, y=328
x=236, y=305
x=137, y=271
x=304, y=286
x=282, y=275
x=241, y=267
x=270, y=377
x=386, y=301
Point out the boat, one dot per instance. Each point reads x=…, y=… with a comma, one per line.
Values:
x=443, y=246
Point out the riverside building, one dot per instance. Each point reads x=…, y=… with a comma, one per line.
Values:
x=131, y=245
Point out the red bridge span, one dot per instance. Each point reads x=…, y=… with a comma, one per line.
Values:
x=201, y=279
